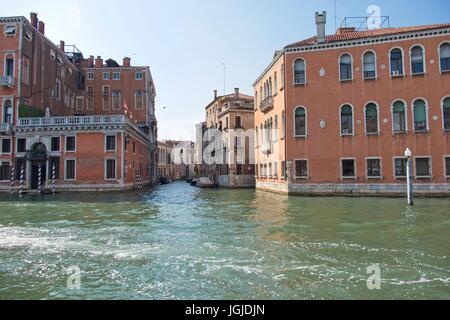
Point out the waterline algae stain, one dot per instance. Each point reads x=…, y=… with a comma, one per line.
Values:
x=179, y=242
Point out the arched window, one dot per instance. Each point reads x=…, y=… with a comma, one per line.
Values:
x=396, y=58
x=420, y=116
x=346, y=120
x=270, y=87
x=399, y=116
x=371, y=112
x=275, y=134
x=256, y=98
x=283, y=125
x=282, y=76
x=300, y=122
x=299, y=72
x=369, y=65
x=7, y=112
x=345, y=67
x=446, y=113
x=417, y=60
x=444, y=53
x=275, y=82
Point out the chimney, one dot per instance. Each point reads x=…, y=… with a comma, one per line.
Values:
x=321, y=21
x=215, y=94
x=62, y=45
x=99, y=62
x=236, y=93
x=41, y=27
x=91, y=61
x=34, y=19
x=127, y=62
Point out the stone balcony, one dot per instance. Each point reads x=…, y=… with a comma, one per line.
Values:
x=7, y=81
x=73, y=121
x=5, y=128
x=267, y=104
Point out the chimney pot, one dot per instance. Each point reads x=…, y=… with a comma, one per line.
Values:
x=34, y=19
x=321, y=21
x=99, y=62
x=236, y=92
x=41, y=27
x=215, y=94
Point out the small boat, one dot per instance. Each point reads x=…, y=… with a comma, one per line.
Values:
x=194, y=183
x=164, y=180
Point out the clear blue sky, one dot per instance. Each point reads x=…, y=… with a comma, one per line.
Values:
x=185, y=41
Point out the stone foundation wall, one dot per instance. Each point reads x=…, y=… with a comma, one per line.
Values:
x=242, y=181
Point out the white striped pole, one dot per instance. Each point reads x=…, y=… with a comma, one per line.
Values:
x=13, y=175
x=22, y=174
x=40, y=179
x=54, y=179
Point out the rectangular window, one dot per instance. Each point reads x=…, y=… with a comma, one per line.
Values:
x=373, y=168
x=106, y=76
x=79, y=103
x=54, y=161
x=110, y=143
x=447, y=166
x=21, y=145
x=110, y=173
x=5, y=171
x=55, y=147
x=90, y=98
x=423, y=167
x=139, y=76
x=70, y=170
x=400, y=167
x=348, y=168
x=58, y=89
x=116, y=76
x=301, y=169
x=275, y=169
x=10, y=30
x=238, y=122
x=283, y=169
x=70, y=144
x=6, y=146
x=90, y=76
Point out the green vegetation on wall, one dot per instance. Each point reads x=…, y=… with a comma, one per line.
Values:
x=29, y=111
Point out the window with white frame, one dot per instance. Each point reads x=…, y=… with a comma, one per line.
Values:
x=417, y=60
x=423, y=167
x=420, y=116
x=400, y=167
x=10, y=30
x=399, y=117
x=106, y=76
x=110, y=143
x=116, y=100
x=369, y=65
x=7, y=111
x=90, y=76
x=371, y=117
x=6, y=146
x=447, y=166
x=21, y=146
x=301, y=169
x=55, y=144
x=300, y=122
x=139, y=100
x=116, y=76
x=346, y=120
x=444, y=53
x=299, y=72
x=106, y=100
x=79, y=103
x=90, y=98
x=348, y=168
x=345, y=67
x=446, y=113
x=374, y=168
x=396, y=61
x=9, y=65
x=139, y=76
x=70, y=144
x=70, y=169
x=110, y=169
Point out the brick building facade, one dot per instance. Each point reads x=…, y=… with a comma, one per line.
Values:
x=343, y=109
x=91, y=122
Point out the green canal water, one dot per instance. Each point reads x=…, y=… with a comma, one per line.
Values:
x=179, y=242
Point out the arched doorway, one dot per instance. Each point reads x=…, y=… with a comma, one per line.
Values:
x=37, y=157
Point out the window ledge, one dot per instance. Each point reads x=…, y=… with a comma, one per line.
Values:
x=375, y=178
x=348, y=178
x=300, y=84
x=346, y=80
x=423, y=177
x=445, y=71
x=301, y=178
x=418, y=74
x=373, y=133
x=401, y=178
x=400, y=132
x=301, y=137
x=370, y=79
x=347, y=135
x=421, y=131
x=397, y=76
x=446, y=130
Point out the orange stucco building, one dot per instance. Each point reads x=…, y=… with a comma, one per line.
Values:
x=71, y=123
x=343, y=108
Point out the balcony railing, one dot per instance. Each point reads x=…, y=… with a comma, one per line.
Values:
x=69, y=121
x=267, y=104
x=7, y=81
x=5, y=127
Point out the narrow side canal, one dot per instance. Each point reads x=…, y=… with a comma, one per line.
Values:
x=179, y=242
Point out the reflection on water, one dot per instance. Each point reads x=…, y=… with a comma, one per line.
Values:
x=179, y=242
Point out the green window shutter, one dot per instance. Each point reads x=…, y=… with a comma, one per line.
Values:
x=420, y=114
x=399, y=107
x=371, y=111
